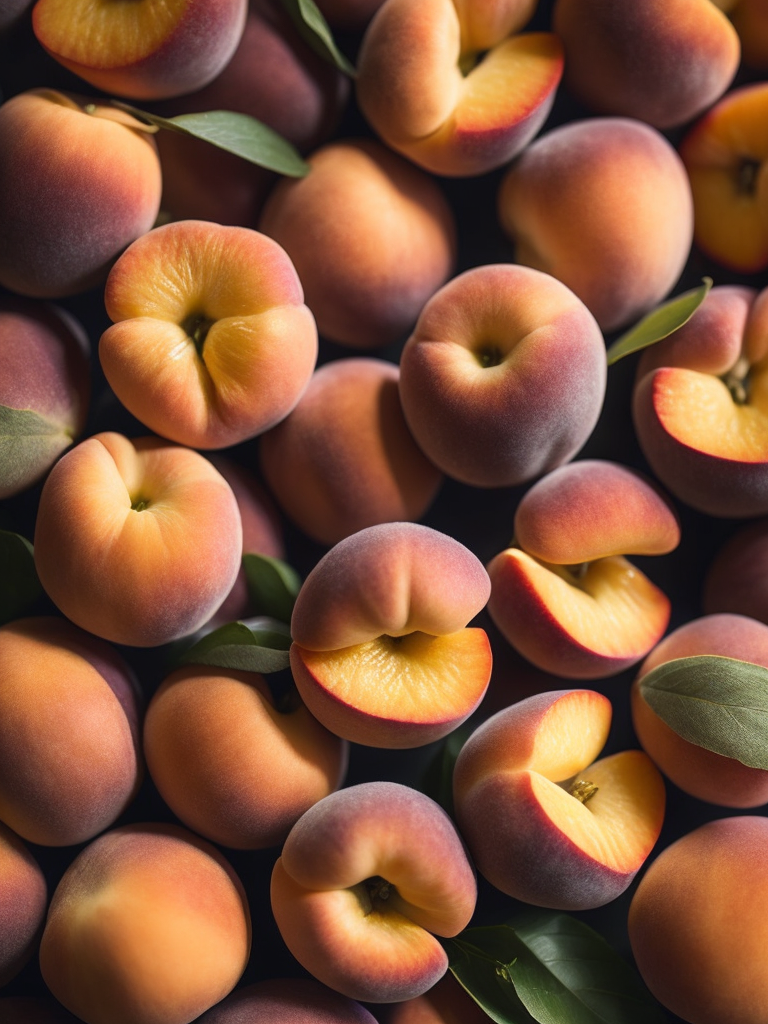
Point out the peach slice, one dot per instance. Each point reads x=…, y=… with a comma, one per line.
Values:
x=542, y=821
x=366, y=879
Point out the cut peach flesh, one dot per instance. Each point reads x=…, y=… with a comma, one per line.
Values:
x=697, y=409
x=103, y=33
x=415, y=678
x=620, y=822
x=571, y=735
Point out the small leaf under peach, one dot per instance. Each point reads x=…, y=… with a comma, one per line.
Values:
x=239, y=646
x=659, y=323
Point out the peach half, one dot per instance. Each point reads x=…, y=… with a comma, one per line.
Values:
x=480, y=382
x=211, y=342
x=456, y=87
x=700, y=405
x=544, y=821
x=367, y=878
x=137, y=541
x=140, y=49
x=381, y=652
x=564, y=595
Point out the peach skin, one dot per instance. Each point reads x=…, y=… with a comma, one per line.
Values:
x=698, y=924
x=605, y=206
x=737, y=578
x=371, y=237
x=23, y=902
x=424, y=88
x=564, y=595
x=287, y=1001
x=445, y=1003
x=67, y=210
x=367, y=878
x=700, y=405
x=137, y=541
x=544, y=821
x=70, y=744
x=661, y=61
x=345, y=459
x=481, y=377
x=140, y=49
x=231, y=763
x=211, y=342
x=148, y=925
x=381, y=654
x=45, y=371
x=699, y=772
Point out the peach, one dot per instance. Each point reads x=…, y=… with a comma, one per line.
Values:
x=700, y=405
x=445, y=1003
x=480, y=381
x=564, y=595
x=344, y=459
x=425, y=89
x=366, y=879
x=737, y=578
x=698, y=923
x=70, y=754
x=371, y=236
x=148, y=925
x=605, y=206
x=544, y=821
x=67, y=210
x=697, y=771
x=725, y=156
x=381, y=654
x=44, y=388
x=211, y=341
x=287, y=1001
x=661, y=61
x=232, y=763
x=140, y=50
x=23, y=902
x=137, y=541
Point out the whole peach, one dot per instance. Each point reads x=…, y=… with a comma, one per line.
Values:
x=737, y=578
x=287, y=1001
x=23, y=902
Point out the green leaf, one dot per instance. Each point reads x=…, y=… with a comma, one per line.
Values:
x=19, y=585
x=437, y=782
x=272, y=586
x=29, y=445
x=314, y=29
x=236, y=133
x=481, y=959
x=717, y=703
x=239, y=646
x=659, y=323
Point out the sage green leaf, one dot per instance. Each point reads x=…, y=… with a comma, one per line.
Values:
x=314, y=29
x=19, y=585
x=29, y=445
x=717, y=703
x=481, y=959
x=659, y=323
x=272, y=586
x=238, y=646
x=236, y=133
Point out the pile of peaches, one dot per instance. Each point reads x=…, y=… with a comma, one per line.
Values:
x=355, y=596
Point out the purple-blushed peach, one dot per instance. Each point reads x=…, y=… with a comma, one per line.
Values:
x=424, y=87
x=287, y=1001
x=148, y=924
x=70, y=744
x=344, y=459
x=141, y=50
x=563, y=594
x=45, y=372
x=545, y=822
x=233, y=764
x=371, y=236
x=381, y=653
x=694, y=769
x=661, y=61
x=481, y=378
x=23, y=902
x=737, y=578
x=137, y=541
x=700, y=405
x=76, y=187
x=211, y=342
x=367, y=878
x=605, y=206
x=698, y=923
